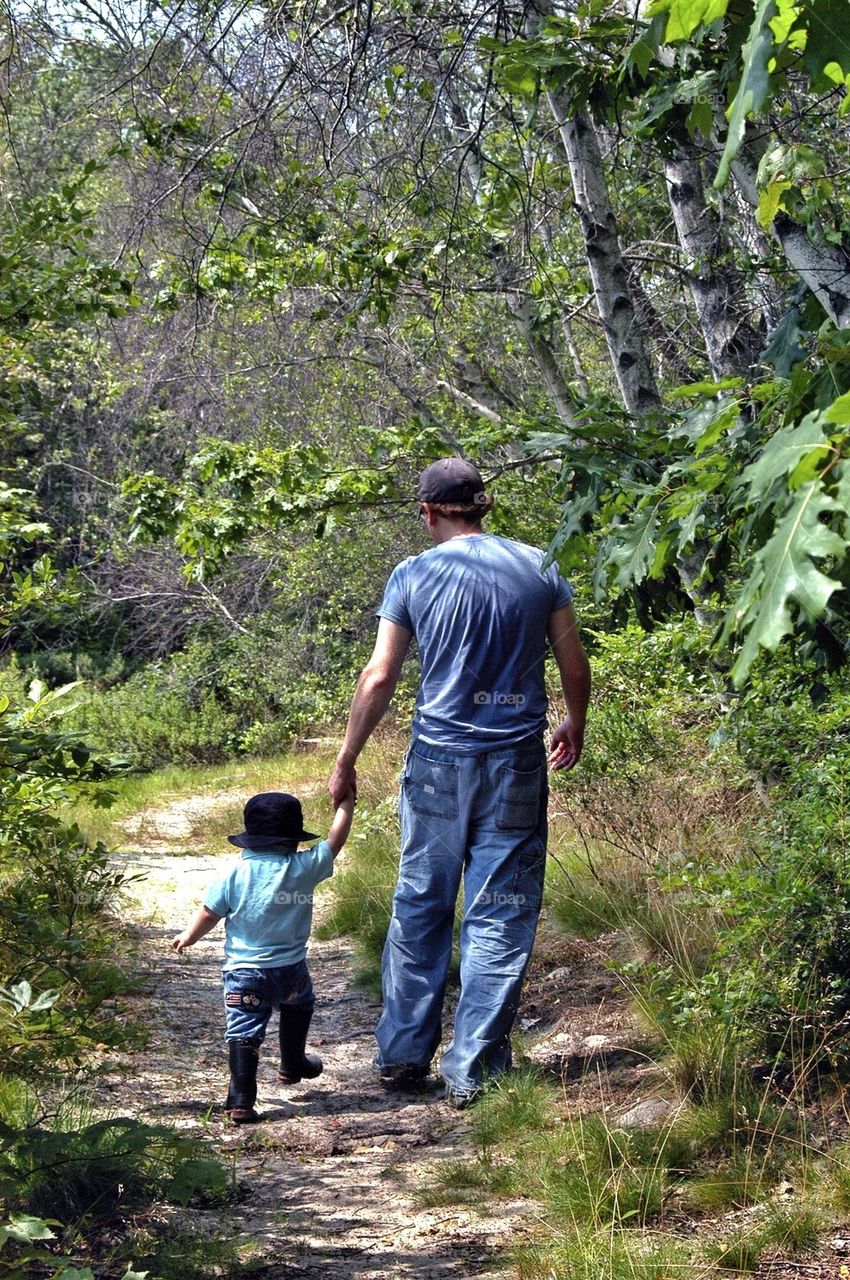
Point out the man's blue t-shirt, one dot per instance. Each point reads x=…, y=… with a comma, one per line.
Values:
x=478, y=606
x=267, y=902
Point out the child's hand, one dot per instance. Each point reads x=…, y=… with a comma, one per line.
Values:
x=181, y=942
x=350, y=798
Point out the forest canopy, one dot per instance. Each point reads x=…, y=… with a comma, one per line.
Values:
x=259, y=263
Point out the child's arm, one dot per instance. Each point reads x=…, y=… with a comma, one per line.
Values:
x=341, y=824
x=200, y=925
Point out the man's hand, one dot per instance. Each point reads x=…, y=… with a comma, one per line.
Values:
x=342, y=781
x=567, y=742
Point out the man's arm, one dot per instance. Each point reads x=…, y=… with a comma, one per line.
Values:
x=568, y=738
x=373, y=695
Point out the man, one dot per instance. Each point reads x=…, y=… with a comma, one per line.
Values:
x=474, y=787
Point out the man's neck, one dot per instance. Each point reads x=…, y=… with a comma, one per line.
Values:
x=446, y=530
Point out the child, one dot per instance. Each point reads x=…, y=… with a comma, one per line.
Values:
x=266, y=900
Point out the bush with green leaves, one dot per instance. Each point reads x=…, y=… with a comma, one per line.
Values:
x=56, y=889
x=222, y=697
x=71, y=1162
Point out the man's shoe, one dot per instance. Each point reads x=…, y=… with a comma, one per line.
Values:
x=461, y=1100
x=403, y=1079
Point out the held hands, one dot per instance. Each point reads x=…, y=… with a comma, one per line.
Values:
x=343, y=781
x=567, y=742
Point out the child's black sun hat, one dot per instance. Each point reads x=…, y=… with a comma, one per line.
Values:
x=273, y=820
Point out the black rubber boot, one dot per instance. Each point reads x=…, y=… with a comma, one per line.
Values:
x=295, y=1064
x=242, y=1092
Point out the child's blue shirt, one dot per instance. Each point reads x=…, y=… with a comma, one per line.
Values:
x=267, y=902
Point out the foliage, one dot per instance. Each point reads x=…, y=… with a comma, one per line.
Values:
x=56, y=890
x=762, y=499
x=597, y=1181
x=73, y=1164
x=58, y=1004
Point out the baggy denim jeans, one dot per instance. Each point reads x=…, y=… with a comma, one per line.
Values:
x=483, y=818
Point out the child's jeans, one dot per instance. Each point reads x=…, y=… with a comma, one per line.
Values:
x=251, y=995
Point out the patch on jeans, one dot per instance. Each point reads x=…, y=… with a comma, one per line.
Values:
x=243, y=1000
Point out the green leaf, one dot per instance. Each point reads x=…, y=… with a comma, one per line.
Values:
x=783, y=453
x=684, y=16
x=827, y=24
x=783, y=573
x=642, y=57
x=753, y=88
x=25, y=1230
x=842, y=493
x=784, y=350
x=839, y=411
x=769, y=201
x=635, y=547
x=705, y=388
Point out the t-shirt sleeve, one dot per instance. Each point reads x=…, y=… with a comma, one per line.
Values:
x=393, y=607
x=562, y=591
x=316, y=863
x=217, y=896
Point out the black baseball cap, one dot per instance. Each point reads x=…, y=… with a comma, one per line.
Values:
x=273, y=821
x=452, y=480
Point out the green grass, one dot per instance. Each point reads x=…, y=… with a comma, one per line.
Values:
x=303, y=773
x=588, y=1254
x=464, y=1182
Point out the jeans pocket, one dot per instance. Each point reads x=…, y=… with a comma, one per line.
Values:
x=431, y=786
x=520, y=795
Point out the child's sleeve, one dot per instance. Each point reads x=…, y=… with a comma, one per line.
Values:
x=317, y=862
x=217, y=896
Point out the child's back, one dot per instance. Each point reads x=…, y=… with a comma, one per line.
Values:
x=266, y=901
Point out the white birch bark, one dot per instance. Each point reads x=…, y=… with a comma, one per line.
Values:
x=824, y=267
x=731, y=341
x=608, y=273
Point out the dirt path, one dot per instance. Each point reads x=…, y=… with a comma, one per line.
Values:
x=328, y=1182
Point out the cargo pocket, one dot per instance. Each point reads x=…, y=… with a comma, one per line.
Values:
x=431, y=787
x=521, y=793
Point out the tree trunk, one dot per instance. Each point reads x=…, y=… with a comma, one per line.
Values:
x=824, y=267
x=632, y=367
x=732, y=343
